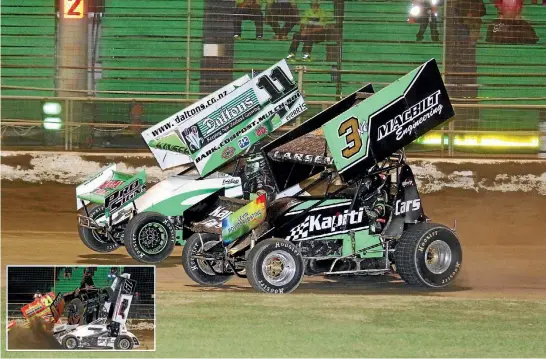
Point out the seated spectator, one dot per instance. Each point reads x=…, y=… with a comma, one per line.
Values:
x=281, y=10
x=248, y=10
x=510, y=27
x=313, y=29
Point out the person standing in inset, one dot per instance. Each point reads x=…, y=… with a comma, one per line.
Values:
x=281, y=10
x=67, y=273
x=313, y=29
x=248, y=10
x=112, y=275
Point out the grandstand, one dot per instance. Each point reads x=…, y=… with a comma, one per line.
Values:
x=70, y=284
x=144, y=47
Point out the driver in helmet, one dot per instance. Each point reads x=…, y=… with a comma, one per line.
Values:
x=374, y=199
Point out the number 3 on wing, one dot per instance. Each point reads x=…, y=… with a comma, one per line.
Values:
x=349, y=129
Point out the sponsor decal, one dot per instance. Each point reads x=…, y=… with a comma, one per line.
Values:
x=229, y=116
x=117, y=199
x=231, y=181
x=260, y=131
x=404, y=123
x=302, y=158
x=187, y=113
x=325, y=224
x=243, y=142
x=216, y=217
x=193, y=137
x=363, y=127
x=401, y=207
x=228, y=152
x=227, y=140
x=243, y=220
x=128, y=286
x=407, y=183
x=111, y=184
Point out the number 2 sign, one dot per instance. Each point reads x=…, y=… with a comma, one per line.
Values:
x=73, y=9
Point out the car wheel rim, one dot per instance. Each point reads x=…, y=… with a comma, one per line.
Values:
x=438, y=257
x=152, y=238
x=124, y=344
x=204, y=266
x=71, y=343
x=279, y=268
x=99, y=235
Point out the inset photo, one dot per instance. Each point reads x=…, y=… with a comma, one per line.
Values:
x=81, y=308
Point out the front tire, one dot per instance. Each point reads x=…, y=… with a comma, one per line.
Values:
x=198, y=270
x=275, y=266
x=150, y=237
x=70, y=342
x=96, y=240
x=428, y=255
x=123, y=342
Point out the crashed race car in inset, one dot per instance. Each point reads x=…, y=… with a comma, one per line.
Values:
x=116, y=209
x=355, y=207
x=96, y=317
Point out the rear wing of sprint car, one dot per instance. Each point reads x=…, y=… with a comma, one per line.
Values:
x=357, y=135
x=164, y=138
x=49, y=307
x=231, y=125
x=302, y=152
x=387, y=121
x=117, y=308
x=111, y=188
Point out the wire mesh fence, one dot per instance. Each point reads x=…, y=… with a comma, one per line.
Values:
x=145, y=60
x=26, y=283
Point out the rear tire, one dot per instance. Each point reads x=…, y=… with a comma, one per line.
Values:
x=275, y=266
x=150, y=237
x=198, y=270
x=428, y=255
x=123, y=342
x=94, y=239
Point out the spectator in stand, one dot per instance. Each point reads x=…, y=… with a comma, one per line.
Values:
x=281, y=10
x=425, y=12
x=509, y=9
x=468, y=22
x=87, y=280
x=112, y=275
x=249, y=10
x=313, y=29
x=68, y=273
x=510, y=27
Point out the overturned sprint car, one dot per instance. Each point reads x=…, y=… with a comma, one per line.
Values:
x=356, y=208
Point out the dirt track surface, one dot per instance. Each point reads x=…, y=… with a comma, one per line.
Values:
x=503, y=237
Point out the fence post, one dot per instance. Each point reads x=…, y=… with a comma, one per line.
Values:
x=451, y=128
x=66, y=125
x=542, y=139
x=300, y=70
x=188, y=52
